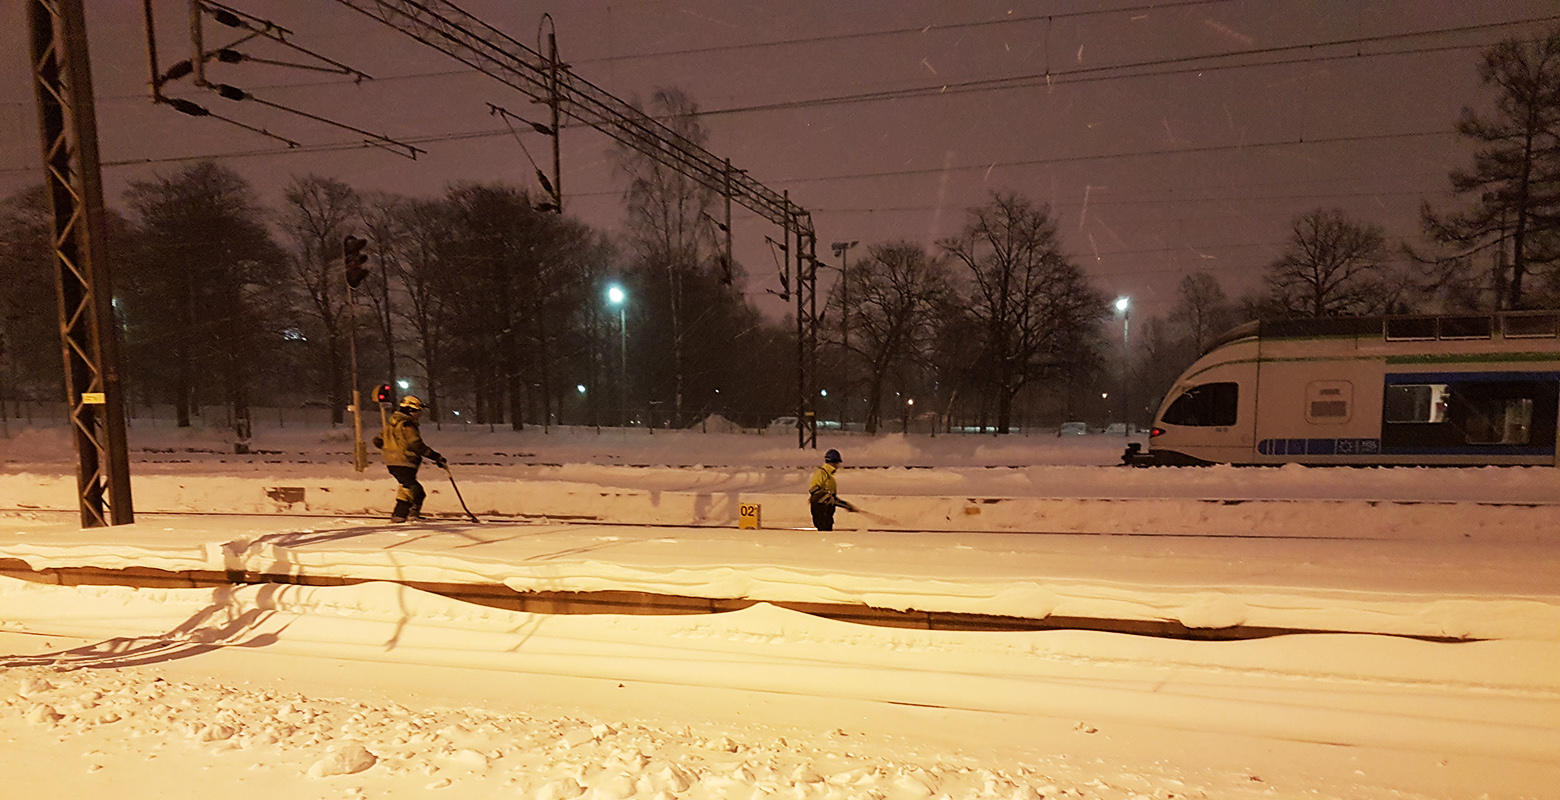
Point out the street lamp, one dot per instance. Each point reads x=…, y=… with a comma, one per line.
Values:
x=1123, y=307
x=617, y=297
x=841, y=249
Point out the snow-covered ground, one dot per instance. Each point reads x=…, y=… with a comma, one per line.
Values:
x=378, y=689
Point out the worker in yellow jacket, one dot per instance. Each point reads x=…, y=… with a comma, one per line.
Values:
x=403, y=449
x=823, y=492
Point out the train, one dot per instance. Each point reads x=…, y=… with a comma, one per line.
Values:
x=1454, y=390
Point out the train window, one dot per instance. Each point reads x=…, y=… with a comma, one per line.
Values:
x=1498, y=420
x=1422, y=402
x=1210, y=405
x=1482, y=411
x=1328, y=401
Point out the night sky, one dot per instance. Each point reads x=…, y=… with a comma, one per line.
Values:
x=1167, y=138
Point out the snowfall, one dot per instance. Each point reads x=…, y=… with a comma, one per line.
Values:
x=1218, y=632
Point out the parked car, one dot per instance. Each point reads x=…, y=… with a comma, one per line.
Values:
x=1073, y=429
x=1117, y=429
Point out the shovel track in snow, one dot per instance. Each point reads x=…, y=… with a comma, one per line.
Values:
x=648, y=603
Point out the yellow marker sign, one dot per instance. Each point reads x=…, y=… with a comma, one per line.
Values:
x=93, y=398
x=748, y=516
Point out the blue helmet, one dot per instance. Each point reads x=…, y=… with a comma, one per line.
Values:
x=831, y=457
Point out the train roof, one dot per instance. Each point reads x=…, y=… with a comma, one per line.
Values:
x=1416, y=328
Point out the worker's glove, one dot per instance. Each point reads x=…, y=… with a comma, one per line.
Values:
x=379, y=442
x=441, y=462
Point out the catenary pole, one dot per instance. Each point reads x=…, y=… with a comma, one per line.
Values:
x=67, y=124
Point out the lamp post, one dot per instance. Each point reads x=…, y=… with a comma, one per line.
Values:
x=841, y=251
x=616, y=296
x=1123, y=307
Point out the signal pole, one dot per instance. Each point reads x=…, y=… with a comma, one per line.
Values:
x=353, y=260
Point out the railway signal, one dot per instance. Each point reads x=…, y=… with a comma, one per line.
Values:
x=354, y=259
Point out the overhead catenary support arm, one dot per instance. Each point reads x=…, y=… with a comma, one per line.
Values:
x=469, y=40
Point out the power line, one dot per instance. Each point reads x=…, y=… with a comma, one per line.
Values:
x=809, y=40
x=1020, y=81
x=1174, y=66
x=922, y=29
x=1247, y=198
x=1040, y=162
x=1087, y=74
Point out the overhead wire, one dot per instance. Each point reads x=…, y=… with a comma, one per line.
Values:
x=1071, y=76
x=1128, y=71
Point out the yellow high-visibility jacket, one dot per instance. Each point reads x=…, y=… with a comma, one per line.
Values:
x=403, y=445
x=823, y=490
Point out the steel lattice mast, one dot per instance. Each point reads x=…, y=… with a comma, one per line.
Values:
x=67, y=123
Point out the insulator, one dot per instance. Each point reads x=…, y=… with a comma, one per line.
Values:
x=194, y=110
x=177, y=71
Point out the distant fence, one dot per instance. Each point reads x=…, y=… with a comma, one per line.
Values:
x=31, y=414
x=35, y=414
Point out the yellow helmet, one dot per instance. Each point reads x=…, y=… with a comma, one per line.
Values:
x=410, y=404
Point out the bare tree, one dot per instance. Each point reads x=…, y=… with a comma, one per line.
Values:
x=1202, y=310
x=385, y=219
x=1515, y=179
x=1032, y=302
x=669, y=225
x=29, y=325
x=317, y=215
x=896, y=296
x=429, y=299
x=202, y=283
x=1332, y=267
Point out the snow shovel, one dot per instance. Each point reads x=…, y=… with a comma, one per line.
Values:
x=878, y=518
x=446, y=466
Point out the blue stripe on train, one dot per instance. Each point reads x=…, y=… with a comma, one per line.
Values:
x=1372, y=447
x=1319, y=447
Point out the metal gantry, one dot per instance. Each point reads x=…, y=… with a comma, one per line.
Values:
x=469, y=40
x=62, y=83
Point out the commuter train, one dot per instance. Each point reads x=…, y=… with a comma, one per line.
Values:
x=1423, y=390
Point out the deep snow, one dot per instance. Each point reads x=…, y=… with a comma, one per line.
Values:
x=380, y=690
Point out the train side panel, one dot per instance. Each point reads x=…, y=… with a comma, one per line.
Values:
x=1318, y=410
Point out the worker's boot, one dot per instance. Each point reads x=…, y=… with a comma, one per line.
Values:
x=402, y=508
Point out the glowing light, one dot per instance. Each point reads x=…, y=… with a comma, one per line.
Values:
x=1121, y=304
x=404, y=383
x=616, y=295
x=579, y=387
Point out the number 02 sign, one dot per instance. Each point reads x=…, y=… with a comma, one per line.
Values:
x=747, y=516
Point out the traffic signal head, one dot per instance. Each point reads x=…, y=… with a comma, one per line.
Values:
x=354, y=259
x=385, y=394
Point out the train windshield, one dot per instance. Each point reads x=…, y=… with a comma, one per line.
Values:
x=1208, y=405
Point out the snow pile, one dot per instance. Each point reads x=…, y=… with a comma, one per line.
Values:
x=716, y=423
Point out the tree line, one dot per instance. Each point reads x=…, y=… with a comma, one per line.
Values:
x=492, y=306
